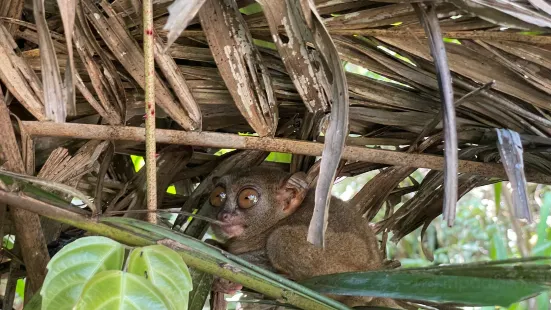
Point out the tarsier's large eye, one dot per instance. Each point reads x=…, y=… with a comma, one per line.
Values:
x=247, y=198
x=218, y=196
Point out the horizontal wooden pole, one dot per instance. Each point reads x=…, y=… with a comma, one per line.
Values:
x=233, y=141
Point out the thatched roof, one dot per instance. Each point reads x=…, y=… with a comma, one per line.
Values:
x=211, y=79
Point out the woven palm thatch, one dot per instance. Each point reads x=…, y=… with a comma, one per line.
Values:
x=266, y=68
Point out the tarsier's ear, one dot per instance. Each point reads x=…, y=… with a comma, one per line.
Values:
x=292, y=192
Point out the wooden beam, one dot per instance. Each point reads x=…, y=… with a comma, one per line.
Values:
x=233, y=141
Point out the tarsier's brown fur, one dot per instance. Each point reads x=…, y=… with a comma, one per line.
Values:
x=273, y=232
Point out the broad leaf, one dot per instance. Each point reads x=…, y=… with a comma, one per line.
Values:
x=165, y=269
x=74, y=265
x=115, y=289
x=426, y=286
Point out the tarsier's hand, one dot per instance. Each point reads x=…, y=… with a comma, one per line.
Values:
x=226, y=286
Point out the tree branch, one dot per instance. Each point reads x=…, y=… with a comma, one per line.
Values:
x=221, y=140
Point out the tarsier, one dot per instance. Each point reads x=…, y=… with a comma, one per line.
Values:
x=266, y=213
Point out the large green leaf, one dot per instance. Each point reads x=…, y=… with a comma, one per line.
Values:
x=426, y=286
x=74, y=265
x=165, y=269
x=115, y=289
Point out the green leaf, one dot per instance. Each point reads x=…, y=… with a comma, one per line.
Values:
x=543, y=249
x=542, y=225
x=542, y=301
x=20, y=288
x=497, y=195
x=454, y=41
x=8, y=241
x=165, y=269
x=426, y=286
x=279, y=157
x=35, y=303
x=498, y=249
x=223, y=151
x=202, y=285
x=114, y=289
x=264, y=44
x=171, y=190
x=251, y=9
x=74, y=265
x=138, y=162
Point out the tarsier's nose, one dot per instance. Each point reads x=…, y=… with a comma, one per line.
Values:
x=224, y=216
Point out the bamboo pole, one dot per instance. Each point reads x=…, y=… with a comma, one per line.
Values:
x=222, y=140
x=150, y=144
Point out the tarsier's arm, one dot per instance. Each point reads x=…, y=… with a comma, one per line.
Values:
x=258, y=258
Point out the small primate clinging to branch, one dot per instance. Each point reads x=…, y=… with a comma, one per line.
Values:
x=265, y=215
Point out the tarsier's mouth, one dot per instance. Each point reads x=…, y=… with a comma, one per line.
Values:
x=231, y=230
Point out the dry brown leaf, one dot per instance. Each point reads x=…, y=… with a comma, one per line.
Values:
x=338, y=125
x=240, y=64
x=12, y=9
x=19, y=78
x=429, y=19
x=510, y=150
x=304, y=65
x=68, y=9
x=103, y=74
x=507, y=13
x=54, y=98
x=180, y=13
x=130, y=55
x=178, y=83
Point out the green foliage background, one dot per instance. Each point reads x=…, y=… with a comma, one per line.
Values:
x=483, y=230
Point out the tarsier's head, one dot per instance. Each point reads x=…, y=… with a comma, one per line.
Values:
x=251, y=201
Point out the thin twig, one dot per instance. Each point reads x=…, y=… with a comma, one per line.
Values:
x=102, y=172
x=437, y=118
x=232, y=141
x=150, y=145
x=172, y=210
